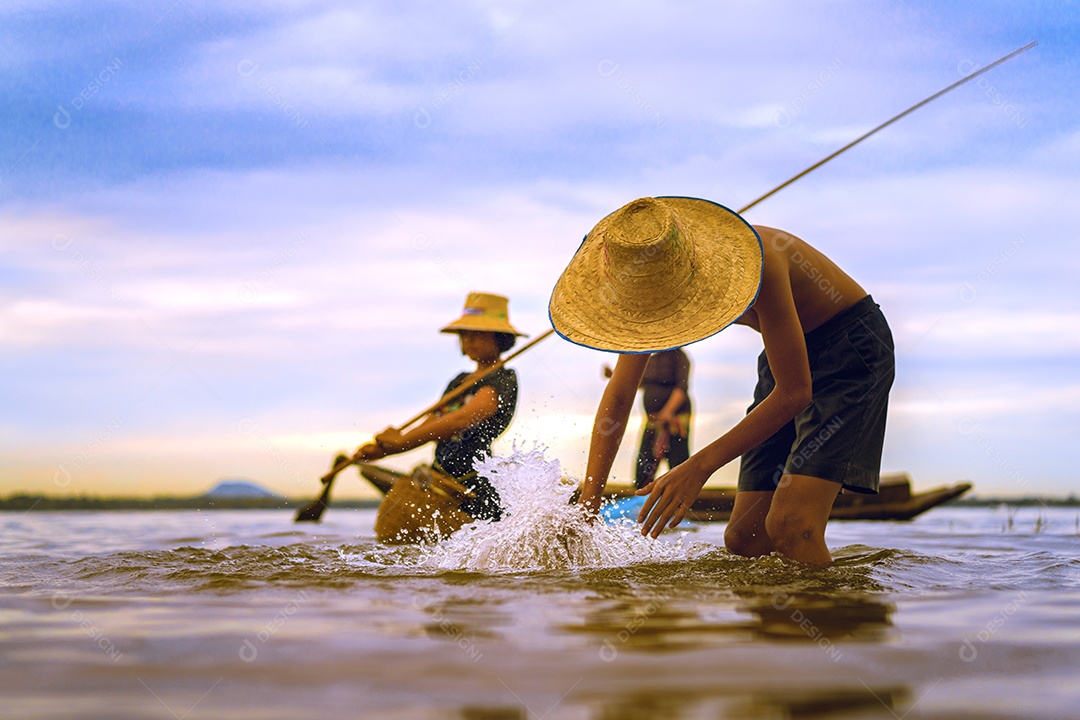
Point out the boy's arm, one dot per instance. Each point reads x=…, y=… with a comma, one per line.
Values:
x=479, y=407
x=609, y=426
x=671, y=495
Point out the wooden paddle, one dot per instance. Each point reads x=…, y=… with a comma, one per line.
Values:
x=313, y=512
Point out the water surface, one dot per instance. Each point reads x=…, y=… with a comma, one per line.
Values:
x=962, y=613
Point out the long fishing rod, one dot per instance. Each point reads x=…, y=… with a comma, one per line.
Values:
x=889, y=122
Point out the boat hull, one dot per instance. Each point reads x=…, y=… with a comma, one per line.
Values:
x=894, y=501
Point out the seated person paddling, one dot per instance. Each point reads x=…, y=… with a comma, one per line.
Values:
x=464, y=428
x=663, y=272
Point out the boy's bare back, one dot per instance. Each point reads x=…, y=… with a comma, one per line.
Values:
x=819, y=287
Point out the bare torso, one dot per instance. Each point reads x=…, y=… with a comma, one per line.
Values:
x=819, y=287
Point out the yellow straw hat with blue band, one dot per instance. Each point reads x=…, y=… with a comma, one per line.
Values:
x=484, y=312
x=656, y=274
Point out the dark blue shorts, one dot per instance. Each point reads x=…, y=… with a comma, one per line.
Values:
x=840, y=435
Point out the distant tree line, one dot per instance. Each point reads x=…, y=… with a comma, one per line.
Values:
x=23, y=502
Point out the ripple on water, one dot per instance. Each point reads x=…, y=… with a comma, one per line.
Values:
x=542, y=536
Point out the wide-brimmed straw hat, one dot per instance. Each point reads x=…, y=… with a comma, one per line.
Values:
x=656, y=274
x=484, y=312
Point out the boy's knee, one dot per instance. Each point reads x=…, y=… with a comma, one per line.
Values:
x=790, y=530
x=735, y=540
x=744, y=541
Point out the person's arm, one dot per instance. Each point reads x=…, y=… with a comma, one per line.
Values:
x=479, y=407
x=671, y=495
x=668, y=424
x=609, y=426
x=667, y=416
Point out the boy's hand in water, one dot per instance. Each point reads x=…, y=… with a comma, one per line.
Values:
x=670, y=497
x=590, y=515
x=590, y=509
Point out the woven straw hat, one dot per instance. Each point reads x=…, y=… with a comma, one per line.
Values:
x=657, y=274
x=484, y=312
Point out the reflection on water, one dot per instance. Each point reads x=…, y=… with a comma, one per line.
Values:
x=719, y=598
x=807, y=620
x=823, y=623
x=887, y=702
x=481, y=713
x=654, y=625
x=819, y=619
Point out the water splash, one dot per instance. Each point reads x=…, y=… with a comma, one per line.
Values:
x=542, y=530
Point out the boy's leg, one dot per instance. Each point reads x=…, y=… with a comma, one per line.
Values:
x=760, y=470
x=745, y=533
x=840, y=435
x=797, y=516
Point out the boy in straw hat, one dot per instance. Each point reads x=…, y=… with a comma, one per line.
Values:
x=663, y=272
x=465, y=427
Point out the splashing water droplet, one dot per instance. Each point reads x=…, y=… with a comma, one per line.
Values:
x=542, y=530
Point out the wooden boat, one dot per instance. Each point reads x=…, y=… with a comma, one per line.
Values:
x=894, y=501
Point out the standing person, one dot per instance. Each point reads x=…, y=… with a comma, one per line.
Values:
x=464, y=428
x=666, y=396
x=663, y=272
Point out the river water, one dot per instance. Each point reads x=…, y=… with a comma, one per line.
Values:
x=961, y=613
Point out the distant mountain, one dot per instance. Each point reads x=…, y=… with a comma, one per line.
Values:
x=239, y=489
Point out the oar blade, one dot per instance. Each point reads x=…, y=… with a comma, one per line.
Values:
x=312, y=512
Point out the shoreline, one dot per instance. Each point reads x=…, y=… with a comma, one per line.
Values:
x=23, y=502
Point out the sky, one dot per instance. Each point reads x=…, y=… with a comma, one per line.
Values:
x=230, y=231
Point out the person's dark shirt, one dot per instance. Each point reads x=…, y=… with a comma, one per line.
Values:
x=665, y=372
x=456, y=454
